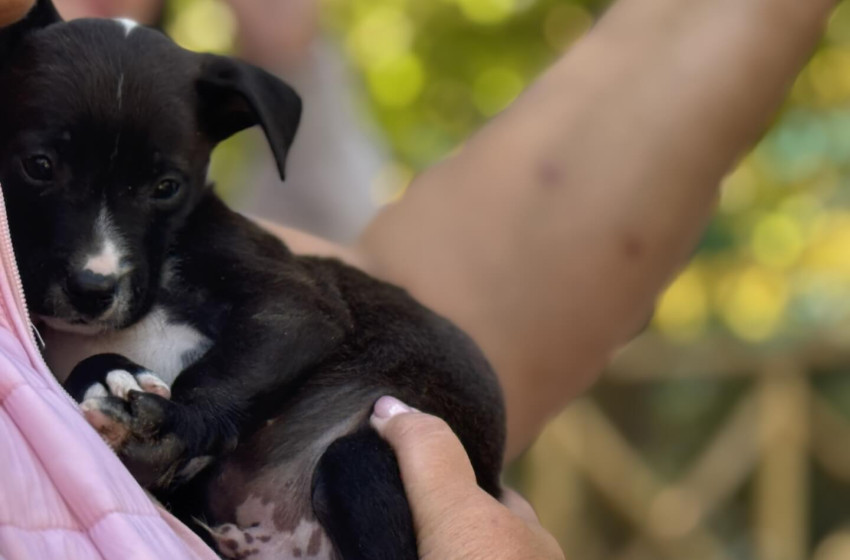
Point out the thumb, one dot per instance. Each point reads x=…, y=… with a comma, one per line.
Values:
x=435, y=468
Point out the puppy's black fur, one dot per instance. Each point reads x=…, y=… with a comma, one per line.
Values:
x=105, y=135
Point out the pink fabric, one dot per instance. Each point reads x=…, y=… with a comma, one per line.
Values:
x=63, y=493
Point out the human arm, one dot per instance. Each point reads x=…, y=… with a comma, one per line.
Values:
x=550, y=235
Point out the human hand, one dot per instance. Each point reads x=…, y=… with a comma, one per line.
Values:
x=454, y=518
x=13, y=10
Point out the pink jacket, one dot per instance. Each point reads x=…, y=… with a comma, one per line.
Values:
x=63, y=494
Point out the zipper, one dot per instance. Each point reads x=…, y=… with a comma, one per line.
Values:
x=31, y=339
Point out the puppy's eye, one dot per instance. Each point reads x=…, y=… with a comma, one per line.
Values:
x=38, y=168
x=166, y=189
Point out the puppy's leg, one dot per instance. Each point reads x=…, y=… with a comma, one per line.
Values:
x=241, y=381
x=359, y=499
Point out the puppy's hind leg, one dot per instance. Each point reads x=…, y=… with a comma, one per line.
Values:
x=359, y=499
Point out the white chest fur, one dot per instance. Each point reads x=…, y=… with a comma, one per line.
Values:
x=158, y=343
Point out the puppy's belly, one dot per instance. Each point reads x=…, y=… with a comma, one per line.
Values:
x=260, y=504
x=157, y=342
x=262, y=541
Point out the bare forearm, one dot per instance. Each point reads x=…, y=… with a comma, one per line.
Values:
x=550, y=235
x=300, y=242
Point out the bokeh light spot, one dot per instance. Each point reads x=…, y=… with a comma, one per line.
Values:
x=753, y=302
x=829, y=251
x=396, y=82
x=204, y=25
x=777, y=240
x=487, y=11
x=682, y=311
x=383, y=34
x=829, y=73
x=495, y=89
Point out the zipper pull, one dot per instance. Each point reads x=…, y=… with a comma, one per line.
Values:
x=38, y=336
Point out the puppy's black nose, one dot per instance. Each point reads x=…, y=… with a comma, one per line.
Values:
x=90, y=293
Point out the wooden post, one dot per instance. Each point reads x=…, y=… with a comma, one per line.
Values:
x=781, y=485
x=556, y=489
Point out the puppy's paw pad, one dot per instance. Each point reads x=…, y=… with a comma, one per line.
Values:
x=151, y=383
x=104, y=416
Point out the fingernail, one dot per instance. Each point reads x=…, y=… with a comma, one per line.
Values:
x=387, y=407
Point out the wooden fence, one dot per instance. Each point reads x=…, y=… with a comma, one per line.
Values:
x=769, y=440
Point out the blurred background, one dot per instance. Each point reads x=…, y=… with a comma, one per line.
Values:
x=723, y=432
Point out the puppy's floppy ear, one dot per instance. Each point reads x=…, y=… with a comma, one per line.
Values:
x=235, y=95
x=41, y=15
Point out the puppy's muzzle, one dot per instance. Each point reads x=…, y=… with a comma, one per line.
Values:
x=90, y=293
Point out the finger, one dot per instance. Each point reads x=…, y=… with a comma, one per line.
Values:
x=435, y=468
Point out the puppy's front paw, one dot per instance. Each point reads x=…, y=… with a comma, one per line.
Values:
x=112, y=375
x=146, y=431
x=129, y=407
x=102, y=384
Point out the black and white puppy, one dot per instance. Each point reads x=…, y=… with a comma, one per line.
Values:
x=273, y=360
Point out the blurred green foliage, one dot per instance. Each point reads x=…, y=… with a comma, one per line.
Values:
x=437, y=70
x=773, y=264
